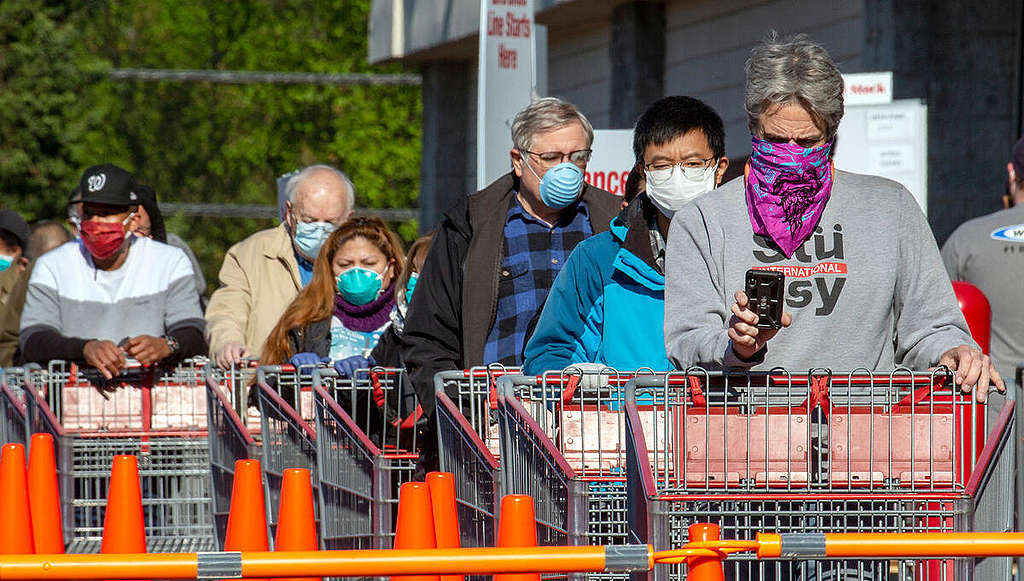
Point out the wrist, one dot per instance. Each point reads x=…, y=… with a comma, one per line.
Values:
x=173, y=347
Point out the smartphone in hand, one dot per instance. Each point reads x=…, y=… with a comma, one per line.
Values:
x=765, y=289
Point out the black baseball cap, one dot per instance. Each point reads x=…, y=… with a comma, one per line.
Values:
x=1018, y=158
x=12, y=222
x=108, y=184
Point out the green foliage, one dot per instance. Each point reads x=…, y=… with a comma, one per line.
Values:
x=43, y=122
x=200, y=142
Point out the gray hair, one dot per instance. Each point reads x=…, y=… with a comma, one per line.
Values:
x=292, y=188
x=544, y=115
x=794, y=71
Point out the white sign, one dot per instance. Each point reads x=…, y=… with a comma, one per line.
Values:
x=889, y=141
x=867, y=88
x=505, y=82
x=612, y=159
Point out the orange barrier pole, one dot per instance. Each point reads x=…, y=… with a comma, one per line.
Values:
x=446, y=516
x=517, y=527
x=415, y=526
x=16, y=524
x=363, y=563
x=890, y=545
x=247, y=518
x=704, y=568
x=44, y=496
x=296, y=524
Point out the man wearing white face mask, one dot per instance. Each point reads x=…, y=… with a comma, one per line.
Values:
x=263, y=274
x=607, y=305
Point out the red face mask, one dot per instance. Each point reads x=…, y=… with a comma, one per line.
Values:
x=102, y=239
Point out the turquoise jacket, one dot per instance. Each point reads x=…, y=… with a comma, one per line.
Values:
x=607, y=304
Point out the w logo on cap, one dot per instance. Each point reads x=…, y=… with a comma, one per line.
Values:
x=97, y=182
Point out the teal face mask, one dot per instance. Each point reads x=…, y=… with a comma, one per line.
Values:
x=5, y=262
x=410, y=286
x=359, y=286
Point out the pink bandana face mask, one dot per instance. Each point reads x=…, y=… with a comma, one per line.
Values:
x=787, y=188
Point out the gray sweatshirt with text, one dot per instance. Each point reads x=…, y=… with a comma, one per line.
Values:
x=867, y=291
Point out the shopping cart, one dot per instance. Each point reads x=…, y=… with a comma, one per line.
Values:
x=287, y=441
x=563, y=443
x=155, y=414
x=235, y=383
x=12, y=406
x=229, y=440
x=469, y=446
x=366, y=430
x=821, y=452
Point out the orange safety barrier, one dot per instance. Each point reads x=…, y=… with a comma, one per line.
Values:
x=367, y=563
x=512, y=560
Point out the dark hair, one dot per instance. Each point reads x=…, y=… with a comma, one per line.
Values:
x=673, y=117
x=633, y=182
x=147, y=199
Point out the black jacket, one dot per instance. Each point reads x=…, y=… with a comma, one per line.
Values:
x=456, y=296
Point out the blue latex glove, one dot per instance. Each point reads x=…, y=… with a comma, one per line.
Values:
x=347, y=367
x=303, y=362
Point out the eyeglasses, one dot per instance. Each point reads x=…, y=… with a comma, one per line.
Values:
x=693, y=168
x=550, y=159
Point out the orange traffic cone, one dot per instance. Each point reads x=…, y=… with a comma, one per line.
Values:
x=44, y=496
x=247, y=520
x=16, y=525
x=446, y=517
x=124, y=530
x=415, y=526
x=442, y=504
x=296, y=524
x=704, y=568
x=517, y=528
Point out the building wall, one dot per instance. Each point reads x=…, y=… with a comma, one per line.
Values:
x=579, y=69
x=708, y=41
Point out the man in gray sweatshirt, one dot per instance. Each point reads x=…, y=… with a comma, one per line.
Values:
x=865, y=287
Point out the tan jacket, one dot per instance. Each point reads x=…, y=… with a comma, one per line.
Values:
x=13, y=287
x=258, y=280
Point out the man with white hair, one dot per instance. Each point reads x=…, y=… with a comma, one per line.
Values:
x=263, y=273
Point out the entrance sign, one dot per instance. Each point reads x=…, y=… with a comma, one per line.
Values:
x=505, y=81
x=612, y=159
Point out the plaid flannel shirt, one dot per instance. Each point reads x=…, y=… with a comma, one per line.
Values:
x=534, y=253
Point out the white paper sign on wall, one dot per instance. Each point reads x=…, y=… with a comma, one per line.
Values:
x=505, y=82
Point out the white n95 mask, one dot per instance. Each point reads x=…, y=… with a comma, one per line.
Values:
x=671, y=189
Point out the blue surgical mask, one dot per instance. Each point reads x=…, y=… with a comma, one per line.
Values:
x=410, y=286
x=359, y=285
x=7, y=261
x=561, y=185
x=310, y=236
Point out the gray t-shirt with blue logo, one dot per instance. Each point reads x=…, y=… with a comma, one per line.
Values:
x=988, y=252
